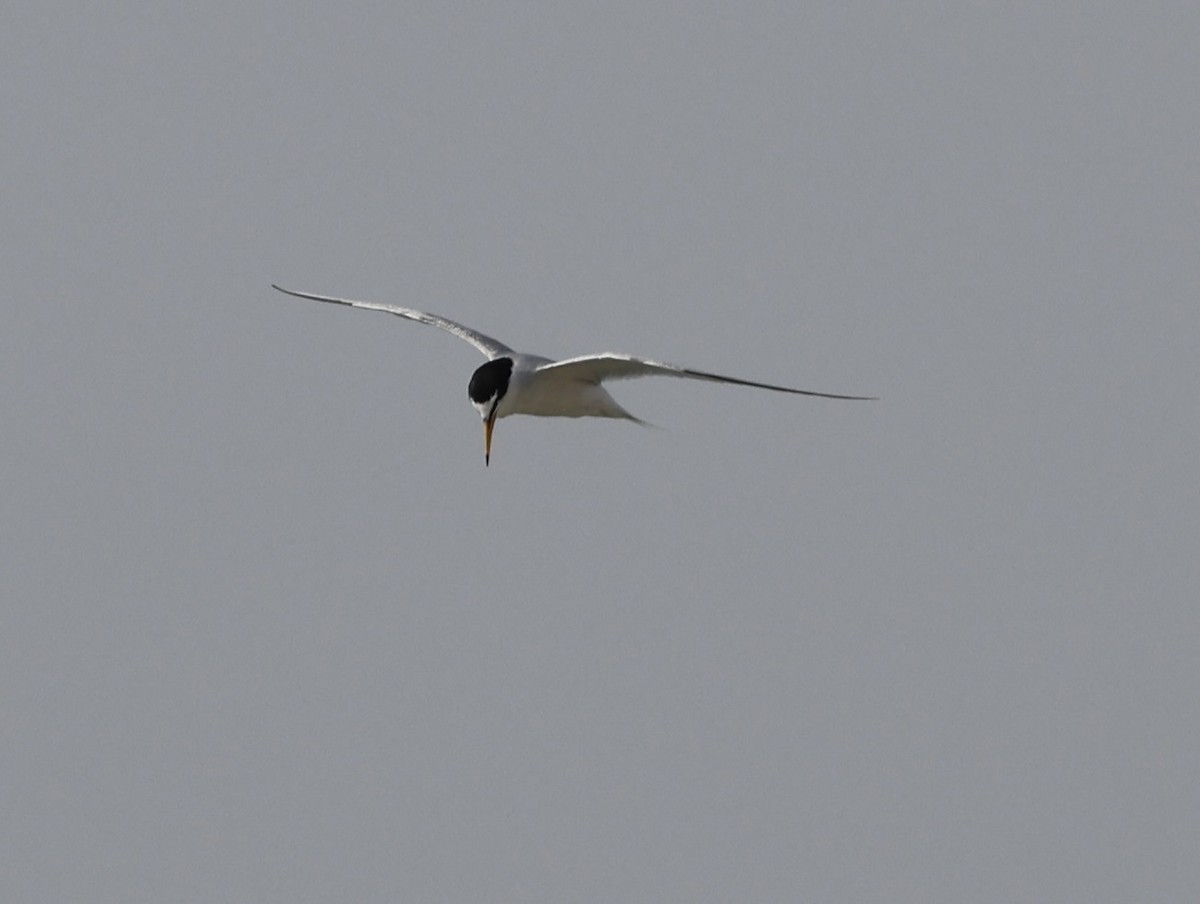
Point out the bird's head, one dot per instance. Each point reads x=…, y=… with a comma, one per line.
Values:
x=488, y=385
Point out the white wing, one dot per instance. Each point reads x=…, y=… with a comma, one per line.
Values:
x=609, y=366
x=485, y=344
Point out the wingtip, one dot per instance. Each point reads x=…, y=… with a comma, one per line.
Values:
x=294, y=294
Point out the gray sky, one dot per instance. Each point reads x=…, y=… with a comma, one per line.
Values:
x=272, y=633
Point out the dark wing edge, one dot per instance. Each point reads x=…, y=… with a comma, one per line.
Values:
x=490, y=347
x=612, y=366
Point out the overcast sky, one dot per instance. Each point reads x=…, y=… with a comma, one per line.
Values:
x=271, y=632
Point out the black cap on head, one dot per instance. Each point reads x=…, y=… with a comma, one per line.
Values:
x=490, y=381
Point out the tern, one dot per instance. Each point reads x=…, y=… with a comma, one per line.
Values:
x=513, y=382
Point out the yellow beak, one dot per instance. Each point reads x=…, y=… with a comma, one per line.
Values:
x=487, y=438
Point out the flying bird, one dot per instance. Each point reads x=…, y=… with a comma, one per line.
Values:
x=513, y=382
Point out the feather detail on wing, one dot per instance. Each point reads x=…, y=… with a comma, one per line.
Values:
x=611, y=366
x=486, y=344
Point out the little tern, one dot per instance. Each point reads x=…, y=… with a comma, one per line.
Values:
x=513, y=382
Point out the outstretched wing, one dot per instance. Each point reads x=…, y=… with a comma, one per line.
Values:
x=609, y=366
x=486, y=344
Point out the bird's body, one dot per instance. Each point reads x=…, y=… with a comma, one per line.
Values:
x=511, y=382
x=535, y=388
